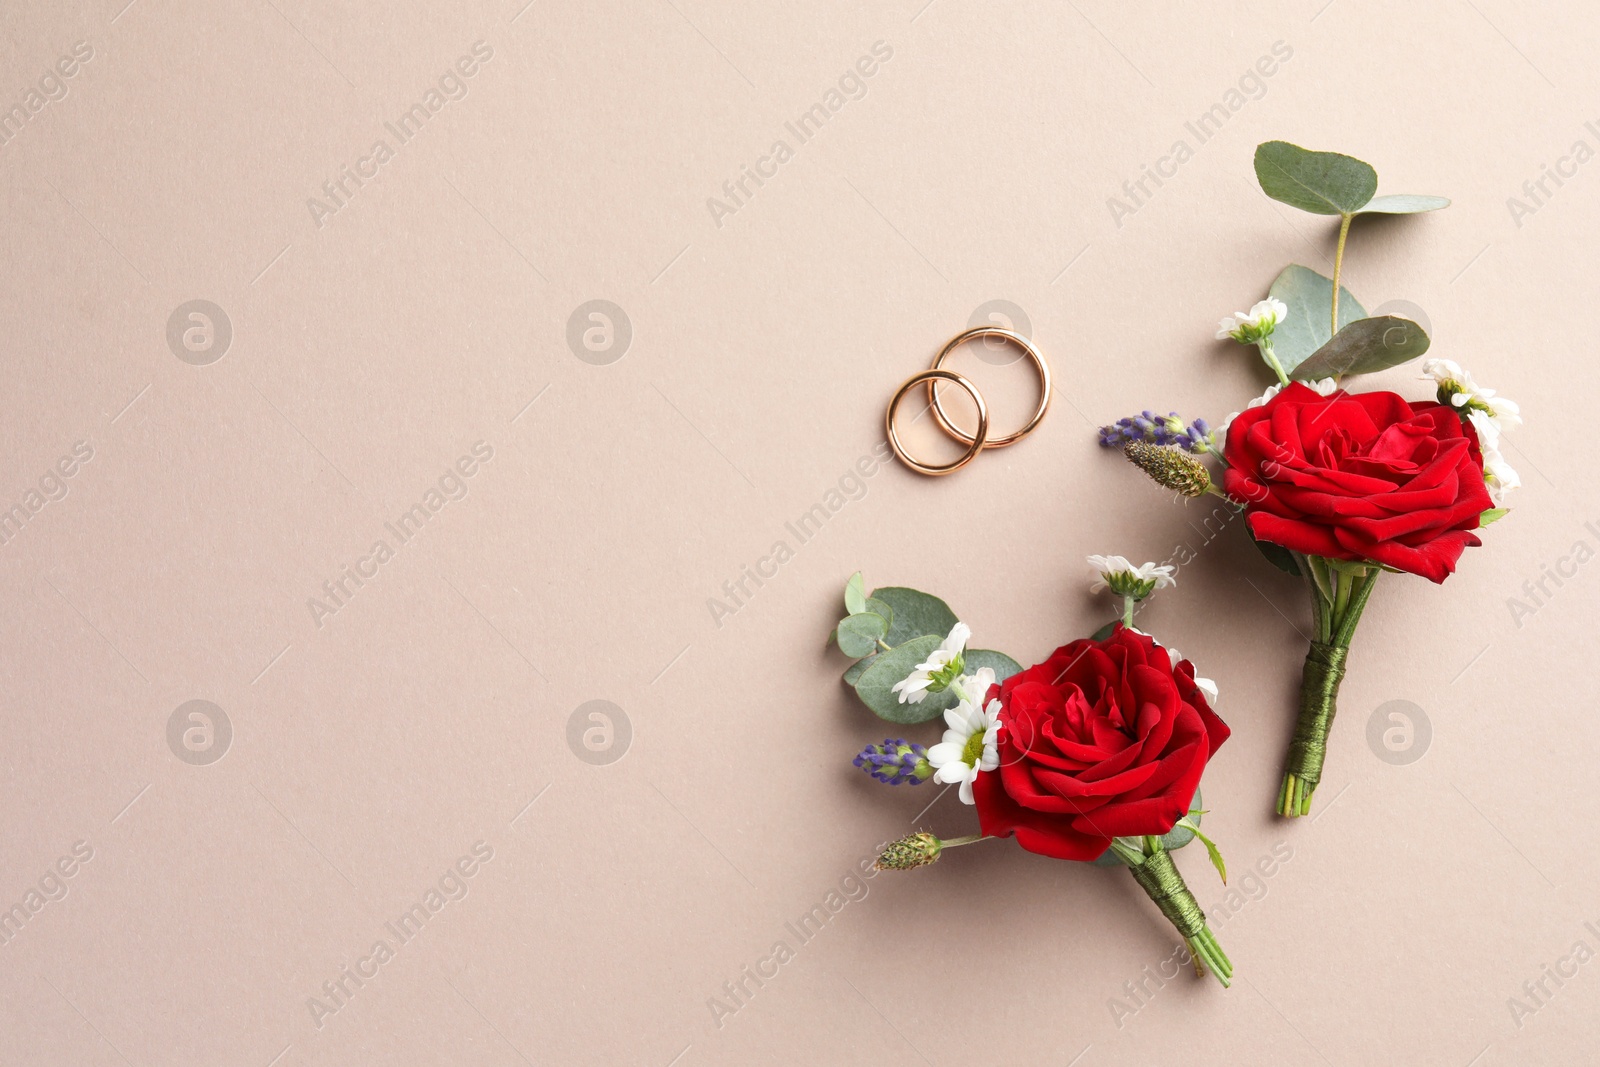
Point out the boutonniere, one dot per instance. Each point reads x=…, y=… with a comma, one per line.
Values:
x=1094, y=754
x=1337, y=486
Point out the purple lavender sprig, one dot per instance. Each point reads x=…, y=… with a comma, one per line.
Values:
x=1154, y=429
x=896, y=762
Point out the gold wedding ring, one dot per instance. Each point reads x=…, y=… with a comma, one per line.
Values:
x=943, y=418
x=980, y=439
x=974, y=444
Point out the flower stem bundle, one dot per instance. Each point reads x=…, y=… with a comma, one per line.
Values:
x=1338, y=596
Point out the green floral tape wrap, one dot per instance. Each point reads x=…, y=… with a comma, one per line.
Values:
x=1159, y=878
x=1319, y=689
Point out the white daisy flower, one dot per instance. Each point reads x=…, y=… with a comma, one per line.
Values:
x=969, y=746
x=1248, y=327
x=1457, y=389
x=1498, y=475
x=1123, y=578
x=934, y=674
x=1205, y=685
x=1323, y=386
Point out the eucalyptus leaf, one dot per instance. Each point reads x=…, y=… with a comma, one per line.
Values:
x=876, y=683
x=1323, y=183
x=880, y=607
x=856, y=670
x=1491, y=515
x=1404, y=204
x=1364, y=346
x=859, y=633
x=916, y=614
x=855, y=597
x=1309, y=298
x=1002, y=665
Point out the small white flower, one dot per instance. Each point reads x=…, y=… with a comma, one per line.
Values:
x=975, y=687
x=1248, y=327
x=1457, y=388
x=1125, y=579
x=1498, y=475
x=936, y=672
x=1323, y=386
x=968, y=746
x=1205, y=685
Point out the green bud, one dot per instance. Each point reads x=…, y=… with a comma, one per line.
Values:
x=1170, y=467
x=940, y=679
x=912, y=851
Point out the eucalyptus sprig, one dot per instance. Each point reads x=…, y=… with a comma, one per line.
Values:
x=888, y=633
x=1330, y=183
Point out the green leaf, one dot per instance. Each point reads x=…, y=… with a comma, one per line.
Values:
x=1364, y=346
x=1104, y=631
x=880, y=607
x=876, y=683
x=857, y=669
x=855, y=599
x=1211, y=847
x=1002, y=665
x=1404, y=204
x=916, y=614
x=1486, y=517
x=1323, y=183
x=1309, y=298
x=1276, y=555
x=859, y=633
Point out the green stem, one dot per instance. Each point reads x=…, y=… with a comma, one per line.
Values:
x=1338, y=265
x=1342, y=584
x=1265, y=344
x=1127, y=611
x=953, y=842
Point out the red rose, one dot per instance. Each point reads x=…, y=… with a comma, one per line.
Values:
x=1104, y=739
x=1359, y=476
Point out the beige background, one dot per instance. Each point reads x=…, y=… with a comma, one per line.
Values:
x=430, y=712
